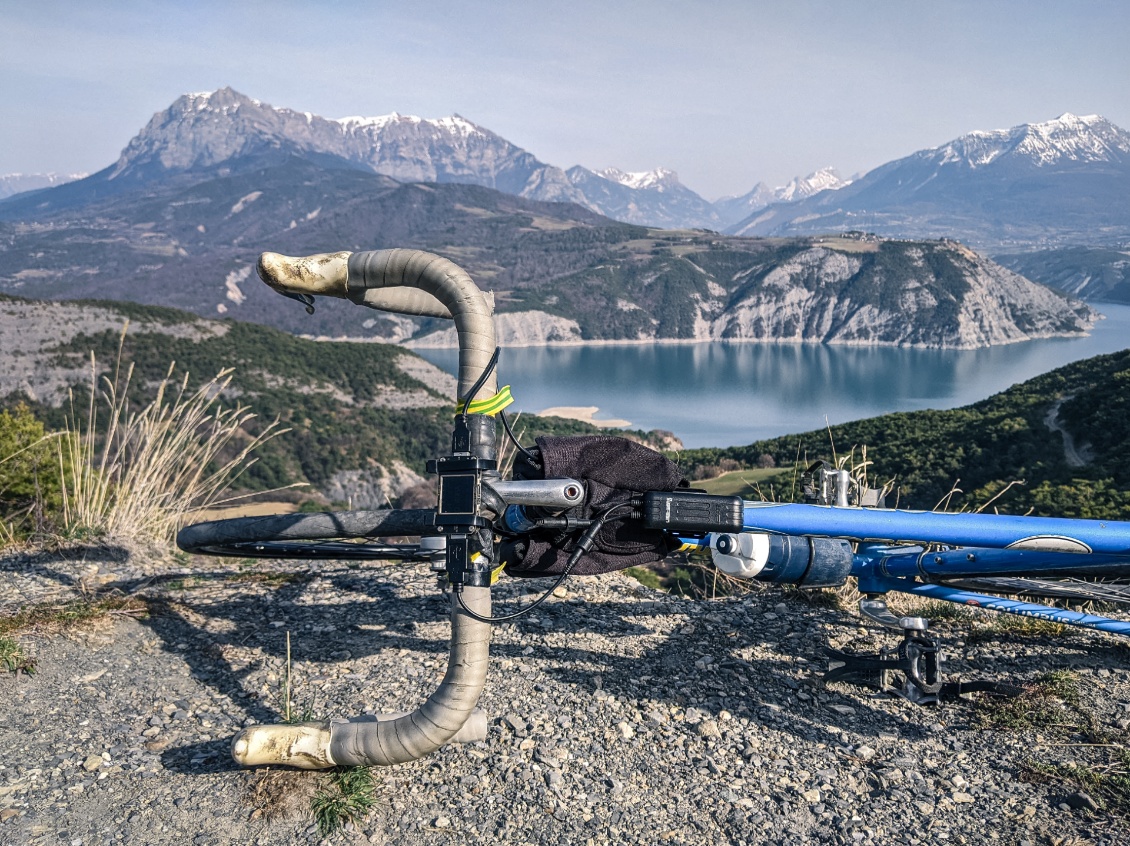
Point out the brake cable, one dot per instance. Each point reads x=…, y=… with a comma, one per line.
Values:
x=510, y=433
x=584, y=543
x=482, y=380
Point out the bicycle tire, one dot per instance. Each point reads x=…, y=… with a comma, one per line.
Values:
x=326, y=535
x=1104, y=591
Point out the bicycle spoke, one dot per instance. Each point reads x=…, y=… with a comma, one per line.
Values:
x=1080, y=590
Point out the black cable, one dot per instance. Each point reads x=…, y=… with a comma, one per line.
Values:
x=584, y=544
x=514, y=440
x=482, y=379
x=506, y=617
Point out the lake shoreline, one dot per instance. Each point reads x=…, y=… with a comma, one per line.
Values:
x=726, y=393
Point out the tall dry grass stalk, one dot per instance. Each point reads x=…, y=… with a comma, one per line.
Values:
x=133, y=473
x=7, y=534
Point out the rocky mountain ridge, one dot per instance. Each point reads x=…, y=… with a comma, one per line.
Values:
x=224, y=128
x=1056, y=183
x=203, y=130
x=1065, y=181
x=560, y=274
x=828, y=290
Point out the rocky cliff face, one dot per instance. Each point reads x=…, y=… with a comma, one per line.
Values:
x=836, y=291
x=205, y=130
x=827, y=296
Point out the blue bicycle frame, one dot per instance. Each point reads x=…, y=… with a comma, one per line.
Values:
x=909, y=551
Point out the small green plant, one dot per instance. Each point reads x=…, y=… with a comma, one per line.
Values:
x=1063, y=684
x=29, y=475
x=819, y=597
x=347, y=795
x=1108, y=784
x=13, y=657
x=1051, y=702
x=291, y=712
x=646, y=577
x=52, y=617
x=936, y=610
x=1013, y=625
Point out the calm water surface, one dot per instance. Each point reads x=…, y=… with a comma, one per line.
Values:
x=723, y=394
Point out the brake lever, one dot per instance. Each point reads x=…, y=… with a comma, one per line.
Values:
x=306, y=300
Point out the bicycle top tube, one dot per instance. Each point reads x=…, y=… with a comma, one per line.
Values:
x=997, y=531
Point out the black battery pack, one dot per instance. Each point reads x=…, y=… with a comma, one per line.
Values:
x=693, y=513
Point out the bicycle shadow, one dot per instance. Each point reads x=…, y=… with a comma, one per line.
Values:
x=756, y=671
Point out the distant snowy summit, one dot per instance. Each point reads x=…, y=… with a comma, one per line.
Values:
x=1060, y=181
x=1068, y=138
x=736, y=208
x=659, y=179
x=825, y=179
x=17, y=183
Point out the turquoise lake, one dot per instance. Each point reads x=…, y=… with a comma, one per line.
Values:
x=723, y=394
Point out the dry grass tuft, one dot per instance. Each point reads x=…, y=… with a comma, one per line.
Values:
x=133, y=473
x=52, y=618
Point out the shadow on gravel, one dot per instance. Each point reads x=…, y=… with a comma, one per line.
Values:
x=213, y=756
x=35, y=562
x=40, y=564
x=699, y=664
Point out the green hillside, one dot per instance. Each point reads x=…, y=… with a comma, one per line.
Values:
x=982, y=447
x=349, y=406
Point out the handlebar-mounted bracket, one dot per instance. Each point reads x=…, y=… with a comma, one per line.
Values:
x=459, y=516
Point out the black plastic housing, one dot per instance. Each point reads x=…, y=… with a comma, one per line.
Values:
x=693, y=513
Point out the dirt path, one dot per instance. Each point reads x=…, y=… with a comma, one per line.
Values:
x=617, y=714
x=1073, y=455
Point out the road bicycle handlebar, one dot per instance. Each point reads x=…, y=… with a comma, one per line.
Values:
x=400, y=281
x=412, y=282
x=786, y=543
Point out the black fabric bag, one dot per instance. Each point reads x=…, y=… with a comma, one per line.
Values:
x=614, y=470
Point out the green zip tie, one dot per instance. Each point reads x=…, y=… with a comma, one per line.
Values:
x=490, y=406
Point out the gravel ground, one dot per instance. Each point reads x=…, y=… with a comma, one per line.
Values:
x=617, y=713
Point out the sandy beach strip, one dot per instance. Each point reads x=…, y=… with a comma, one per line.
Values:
x=584, y=413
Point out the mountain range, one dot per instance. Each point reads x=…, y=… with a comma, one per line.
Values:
x=559, y=273
x=1061, y=182
x=225, y=127
x=216, y=178
x=1065, y=181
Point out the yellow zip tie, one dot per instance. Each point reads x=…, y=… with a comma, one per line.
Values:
x=496, y=572
x=490, y=406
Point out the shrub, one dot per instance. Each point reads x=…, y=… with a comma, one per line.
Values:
x=30, y=488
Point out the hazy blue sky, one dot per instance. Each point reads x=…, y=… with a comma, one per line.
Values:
x=726, y=93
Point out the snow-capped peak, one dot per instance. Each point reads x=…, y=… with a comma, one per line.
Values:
x=824, y=179
x=222, y=99
x=1069, y=137
x=659, y=178
x=227, y=101
x=15, y=183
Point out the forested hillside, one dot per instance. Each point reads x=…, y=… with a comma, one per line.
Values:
x=981, y=448
x=363, y=418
